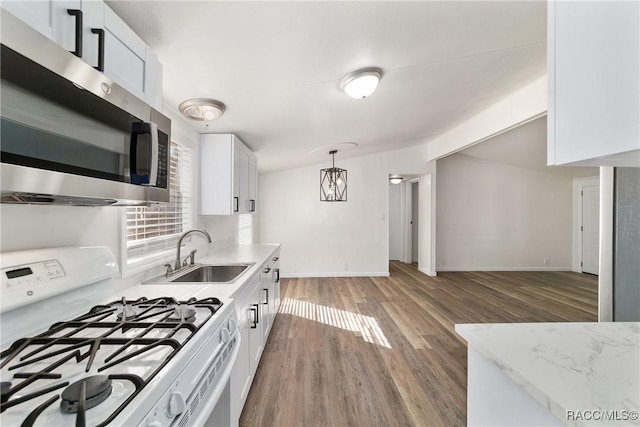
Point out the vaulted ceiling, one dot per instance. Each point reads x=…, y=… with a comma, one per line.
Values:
x=277, y=66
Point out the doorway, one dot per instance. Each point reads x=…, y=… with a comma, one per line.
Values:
x=415, y=221
x=404, y=214
x=590, y=229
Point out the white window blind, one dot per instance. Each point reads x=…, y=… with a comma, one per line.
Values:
x=154, y=229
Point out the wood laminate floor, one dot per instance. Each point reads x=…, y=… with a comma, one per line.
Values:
x=382, y=351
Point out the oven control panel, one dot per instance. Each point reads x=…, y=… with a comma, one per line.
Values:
x=31, y=274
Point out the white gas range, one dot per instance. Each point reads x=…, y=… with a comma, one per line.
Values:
x=76, y=352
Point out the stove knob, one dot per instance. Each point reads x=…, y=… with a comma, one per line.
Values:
x=225, y=335
x=232, y=325
x=177, y=404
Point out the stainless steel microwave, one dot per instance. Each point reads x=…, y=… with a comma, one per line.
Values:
x=70, y=135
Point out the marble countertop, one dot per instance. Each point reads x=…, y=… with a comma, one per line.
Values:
x=257, y=254
x=567, y=366
x=236, y=254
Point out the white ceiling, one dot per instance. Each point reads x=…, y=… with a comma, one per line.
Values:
x=277, y=66
x=525, y=147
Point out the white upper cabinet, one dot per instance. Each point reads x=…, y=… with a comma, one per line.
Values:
x=252, y=176
x=227, y=176
x=594, y=83
x=92, y=31
x=58, y=20
x=124, y=53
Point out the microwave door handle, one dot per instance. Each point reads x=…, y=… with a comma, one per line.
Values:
x=153, y=173
x=151, y=129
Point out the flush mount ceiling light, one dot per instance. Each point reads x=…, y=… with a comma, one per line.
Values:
x=203, y=109
x=333, y=182
x=361, y=83
x=395, y=179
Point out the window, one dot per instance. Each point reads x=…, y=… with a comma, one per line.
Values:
x=152, y=231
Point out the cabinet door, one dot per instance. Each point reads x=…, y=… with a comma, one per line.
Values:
x=268, y=298
x=153, y=80
x=92, y=32
x=256, y=325
x=244, y=181
x=50, y=18
x=267, y=305
x=125, y=53
x=241, y=374
x=36, y=14
x=217, y=172
x=594, y=81
x=252, y=181
x=237, y=180
x=275, y=263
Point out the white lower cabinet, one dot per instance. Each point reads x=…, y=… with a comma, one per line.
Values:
x=256, y=306
x=271, y=289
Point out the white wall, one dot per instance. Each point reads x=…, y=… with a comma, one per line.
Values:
x=427, y=228
x=395, y=228
x=492, y=216
x=334, y=239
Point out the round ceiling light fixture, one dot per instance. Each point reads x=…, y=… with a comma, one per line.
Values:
x=361, y=83
x=203, y=109
x=395, y=179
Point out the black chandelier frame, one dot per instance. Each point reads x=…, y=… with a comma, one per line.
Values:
x=333, y=182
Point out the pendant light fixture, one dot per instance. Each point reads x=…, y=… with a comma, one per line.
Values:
x=333, y=182
x=361, y=83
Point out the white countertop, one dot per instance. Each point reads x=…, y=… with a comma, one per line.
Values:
x=256, y=253
x=567, y=366
x=235, y=254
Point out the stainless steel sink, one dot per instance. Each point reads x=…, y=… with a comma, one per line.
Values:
x=212, y=273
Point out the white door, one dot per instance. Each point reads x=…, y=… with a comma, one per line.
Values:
x=590, y=229
x=415, y=215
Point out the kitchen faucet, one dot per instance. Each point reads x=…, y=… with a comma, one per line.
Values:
x=185, y=234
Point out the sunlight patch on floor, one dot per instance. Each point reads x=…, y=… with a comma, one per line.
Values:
x=347, y=320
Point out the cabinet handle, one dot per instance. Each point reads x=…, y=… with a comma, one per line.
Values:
x=100, y=33
x=275, y=258
x=236, y=204
x=252, y=205
x=266, y=270
x=254, y=309
x=267, y=292
x=277, y=275
x=77, y=13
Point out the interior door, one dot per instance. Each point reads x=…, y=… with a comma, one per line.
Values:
x=590, y=229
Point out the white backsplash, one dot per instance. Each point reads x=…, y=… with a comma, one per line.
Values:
x=26, y=227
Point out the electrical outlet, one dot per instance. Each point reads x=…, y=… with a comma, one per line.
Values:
x=547, y=261
x=345, y=267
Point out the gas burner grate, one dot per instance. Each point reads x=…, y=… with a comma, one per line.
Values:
x=120, y=331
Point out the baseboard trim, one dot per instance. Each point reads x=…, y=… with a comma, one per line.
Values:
x=286, y=275
x=557, y=268
x=428, y=273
